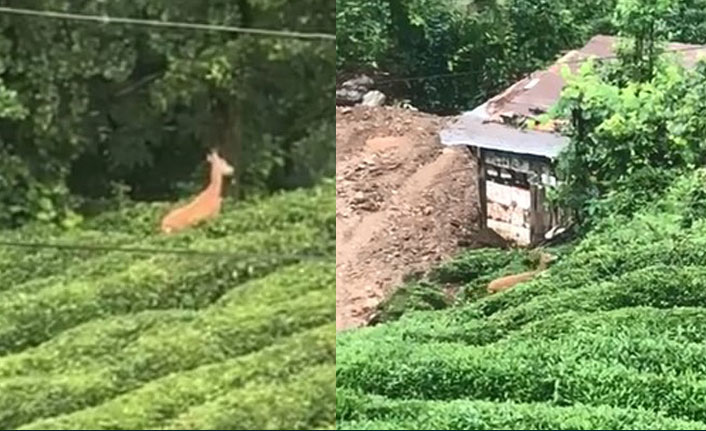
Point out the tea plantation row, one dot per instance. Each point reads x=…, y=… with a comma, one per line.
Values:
x=101, y=339
x=610, y=337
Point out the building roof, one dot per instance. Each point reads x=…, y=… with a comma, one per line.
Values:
x=484, y=126
x=473, y=131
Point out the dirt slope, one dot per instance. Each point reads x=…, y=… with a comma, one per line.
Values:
x=403, y=203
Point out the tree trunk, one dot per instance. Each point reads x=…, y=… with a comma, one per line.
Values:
x=230, y=140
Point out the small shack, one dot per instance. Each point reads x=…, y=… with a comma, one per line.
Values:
x=516, y=165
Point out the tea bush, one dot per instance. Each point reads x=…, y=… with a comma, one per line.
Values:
x=610, y=337
x=118, y=340
x=163, y=399
x=302, y=400
x=381, y=413
x=468, y=274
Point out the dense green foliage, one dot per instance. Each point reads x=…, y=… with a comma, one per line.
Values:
x=634, y=125
x=115, y=340
x=642, y=27
x=634, y=122
x=387, y=414
x=490, y=42
x=610, y=337
x=90, y=111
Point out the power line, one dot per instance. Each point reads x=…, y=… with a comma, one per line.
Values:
x=157, y=251
x=105, y=19
x=475, y=72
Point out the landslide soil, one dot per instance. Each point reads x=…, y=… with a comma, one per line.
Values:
x=403, y=204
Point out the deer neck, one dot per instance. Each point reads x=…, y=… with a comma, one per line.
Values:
x=216, y=184
x=542, y=264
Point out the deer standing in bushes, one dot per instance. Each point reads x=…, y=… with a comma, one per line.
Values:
x=207, y=204
x=507, y=282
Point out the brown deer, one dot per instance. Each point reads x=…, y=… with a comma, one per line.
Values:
x=206, y=205
x=504, y=283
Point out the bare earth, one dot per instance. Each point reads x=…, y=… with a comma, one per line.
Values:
x=403, y=203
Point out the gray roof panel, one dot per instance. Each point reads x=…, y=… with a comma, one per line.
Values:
x=471, y=130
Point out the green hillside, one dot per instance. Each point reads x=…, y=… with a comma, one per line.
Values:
x=610, y=337
x=98, y=339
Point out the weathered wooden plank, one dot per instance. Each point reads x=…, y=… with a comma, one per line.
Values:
x=482, y=195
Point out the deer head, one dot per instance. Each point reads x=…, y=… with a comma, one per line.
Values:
x=219, y=164
x=543, y=258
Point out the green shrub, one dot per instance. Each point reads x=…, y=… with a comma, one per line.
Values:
x=157, y=282
x=100, y=343
x=126, y=228
x=386, y=414
x=19, y=264
x=475, y=263
x=301, y=402
x=412, y=296
x=114, y=340
x=278, y=211
x=573, y=369
x=610, y=337
x=466, y=276
x=657, y=286
x=228, y=330
x=163, y=399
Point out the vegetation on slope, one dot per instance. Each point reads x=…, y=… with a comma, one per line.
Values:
x=115, y=340
x=609, y=337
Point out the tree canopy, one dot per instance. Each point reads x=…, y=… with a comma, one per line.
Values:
x=89, y=110
x=635, y=123
x=480, y=47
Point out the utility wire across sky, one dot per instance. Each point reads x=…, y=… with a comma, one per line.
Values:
x=105, y=19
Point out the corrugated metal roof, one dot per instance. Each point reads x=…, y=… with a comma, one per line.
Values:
x=548, y=83
x=483, y=126
x=471, y=130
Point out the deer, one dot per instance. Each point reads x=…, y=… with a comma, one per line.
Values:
x=507, y=282
x=207, y=204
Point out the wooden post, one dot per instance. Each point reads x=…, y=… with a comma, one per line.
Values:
x=537, y=216
x=482, y=193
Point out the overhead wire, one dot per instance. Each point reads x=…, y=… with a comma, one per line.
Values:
x=106, y=19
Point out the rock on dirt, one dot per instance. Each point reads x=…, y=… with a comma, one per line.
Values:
x=373, y=98
x=354, y=91
x=403, y=203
